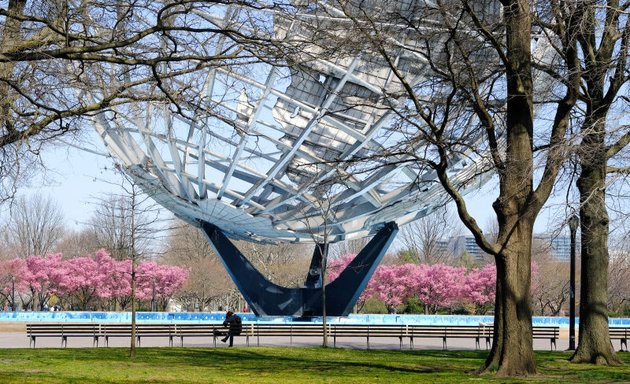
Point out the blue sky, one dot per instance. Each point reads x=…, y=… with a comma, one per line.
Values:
x=76, y=180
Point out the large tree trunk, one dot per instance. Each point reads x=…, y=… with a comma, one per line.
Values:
x=512, y=352
x=512, y=349
x=603, y=81
x=594, y=341
x=9, y=39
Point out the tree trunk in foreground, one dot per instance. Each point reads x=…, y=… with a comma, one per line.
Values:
x=512, y=348
x=512, y=351
x=594, y=344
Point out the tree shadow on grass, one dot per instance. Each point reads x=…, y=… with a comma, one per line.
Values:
x=256, y=359
x=268, y=360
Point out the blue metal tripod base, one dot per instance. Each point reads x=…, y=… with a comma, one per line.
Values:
x=268, y=299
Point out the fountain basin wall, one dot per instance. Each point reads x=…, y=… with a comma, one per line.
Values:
x=217, y=317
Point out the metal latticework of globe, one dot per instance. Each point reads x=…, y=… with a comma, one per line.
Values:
x=265, y=155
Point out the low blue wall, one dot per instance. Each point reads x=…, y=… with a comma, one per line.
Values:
x=116, y=317
x=200, y=317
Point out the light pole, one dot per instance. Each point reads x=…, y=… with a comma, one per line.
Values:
x=573, y=224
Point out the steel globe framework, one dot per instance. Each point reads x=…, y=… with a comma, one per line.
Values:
x=266, y=156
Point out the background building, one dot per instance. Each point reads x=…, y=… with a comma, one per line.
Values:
x=559, y=247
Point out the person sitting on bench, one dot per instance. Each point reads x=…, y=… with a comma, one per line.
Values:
x=234, y=325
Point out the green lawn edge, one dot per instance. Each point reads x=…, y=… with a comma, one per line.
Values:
x=282, y=365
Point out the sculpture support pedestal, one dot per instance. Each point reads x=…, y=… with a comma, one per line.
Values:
x=268, y=299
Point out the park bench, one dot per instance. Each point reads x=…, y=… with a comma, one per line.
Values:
x=62, y=330
x=113, y=330
x=196, y=330
x=334, y=331
x=258, y=331
x=368, y=331
x=251, y=330
x=169, y=330
x=143, y=330
x=547, y=332
x=622, y=334
x=280, y=330
x=476, y=332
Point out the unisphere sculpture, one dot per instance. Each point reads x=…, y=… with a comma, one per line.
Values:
x=264, y=156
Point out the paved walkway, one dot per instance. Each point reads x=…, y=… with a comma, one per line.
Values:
x=13, y=335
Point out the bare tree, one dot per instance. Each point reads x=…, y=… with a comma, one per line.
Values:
x=619, y=282
x=112, y=220
x=63, y=62
x=353, y=246
x=550, y=292
x=127, y=216
x=78, y=242
x=34, y=227
x=602, y=33
x=208, y=284
x=128, y=224
x=321, y=225
x=425, y=238
x=283, y=264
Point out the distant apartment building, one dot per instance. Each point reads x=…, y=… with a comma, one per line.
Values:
x=558, y=246
x=460, y=245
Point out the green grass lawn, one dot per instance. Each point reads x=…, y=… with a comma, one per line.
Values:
x=280, y=365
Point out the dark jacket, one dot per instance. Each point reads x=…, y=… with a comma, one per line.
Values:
x=234, y=324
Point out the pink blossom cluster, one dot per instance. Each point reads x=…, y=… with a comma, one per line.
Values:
x=437, y=285
x=87, y=278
